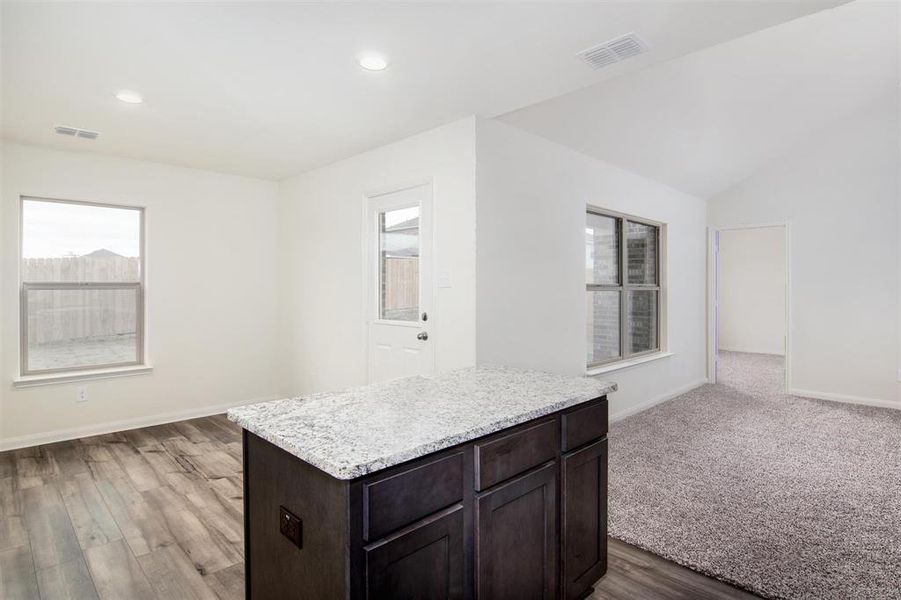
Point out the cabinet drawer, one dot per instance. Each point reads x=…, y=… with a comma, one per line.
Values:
x=393, y=501
x=513, y=453
x=584, y=424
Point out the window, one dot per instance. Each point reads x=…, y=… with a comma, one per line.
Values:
x=399, y=264
x=622, y=276
x=82, y=291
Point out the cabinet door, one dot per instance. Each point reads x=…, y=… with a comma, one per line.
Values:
x=584, y=529
x=421, y=562
x=516, y=538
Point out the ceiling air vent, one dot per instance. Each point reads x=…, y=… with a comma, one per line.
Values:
x=613, y=51
x=76, y=132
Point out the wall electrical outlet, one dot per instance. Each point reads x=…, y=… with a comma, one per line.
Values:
x=81, y=394
x=899, y=375
x=291, y=526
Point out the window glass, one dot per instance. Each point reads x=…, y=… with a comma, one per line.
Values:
x=641, y=322
x=81, y=328
x=641, y=253
x=82, y=288
x=603, y=326
x=601, y=250
x=399, y=264
x=80, y=242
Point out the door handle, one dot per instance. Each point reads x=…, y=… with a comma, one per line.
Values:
x=422, y=335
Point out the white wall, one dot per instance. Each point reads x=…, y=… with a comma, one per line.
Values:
x=532, y=196
x=322, y=317
x=211, y=291
x=752, y=290
x=839, y=192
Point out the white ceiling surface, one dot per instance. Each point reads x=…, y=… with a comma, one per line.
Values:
x=271, y=90
x=705, y=121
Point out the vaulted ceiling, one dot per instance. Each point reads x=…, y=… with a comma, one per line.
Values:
x=705, y=121
x=273, y=89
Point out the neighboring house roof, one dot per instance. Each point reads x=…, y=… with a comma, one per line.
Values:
x=403, y=225
x=402, y=253
x=103, y=253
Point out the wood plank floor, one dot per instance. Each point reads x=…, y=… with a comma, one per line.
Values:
x=155, y=513
x=636, y=574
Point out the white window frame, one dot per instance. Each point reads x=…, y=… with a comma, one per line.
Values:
x=627, y=358
x=68, y=373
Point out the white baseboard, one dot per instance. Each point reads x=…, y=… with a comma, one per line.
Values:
x=61, y=435
x=628, y=412
x=845, y=398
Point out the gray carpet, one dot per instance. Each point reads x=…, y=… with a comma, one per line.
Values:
x=787, y=497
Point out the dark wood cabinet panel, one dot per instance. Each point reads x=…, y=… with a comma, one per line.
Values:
x=422, y=562
x=507, y=455
x=516, y=538
x=510, y=515
x=396, y=500
x=584, y=424
x=276, y=567
x=584, y=523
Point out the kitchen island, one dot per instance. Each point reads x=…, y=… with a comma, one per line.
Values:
x=477, y=483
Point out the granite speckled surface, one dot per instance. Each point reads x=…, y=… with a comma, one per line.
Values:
x=359, y=431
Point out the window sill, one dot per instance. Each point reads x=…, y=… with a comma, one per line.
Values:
x=68, y=377
x=626, y=364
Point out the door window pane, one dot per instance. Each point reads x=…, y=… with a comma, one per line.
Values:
x=641, y=253
x=81, y=328
x=399, y=264
x=601, y=250
x=603, y=326
x=68, y=242
x=641, y=322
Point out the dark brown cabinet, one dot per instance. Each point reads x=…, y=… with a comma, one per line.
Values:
x=397, y=499
x=521, y=513
x=501, y=457
x=421, y=562
x=583, y=533
x=516, y=537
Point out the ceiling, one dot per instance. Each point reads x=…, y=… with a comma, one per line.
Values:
x=272, y=90
x=703, y=122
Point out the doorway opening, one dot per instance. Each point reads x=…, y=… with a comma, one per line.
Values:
x=749, y=342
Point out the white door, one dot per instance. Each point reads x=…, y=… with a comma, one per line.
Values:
x=399, y=283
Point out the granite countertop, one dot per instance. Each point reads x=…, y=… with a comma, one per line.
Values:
x=359, y=431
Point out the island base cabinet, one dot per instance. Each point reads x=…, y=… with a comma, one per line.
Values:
x=423, y=561
x=516, y=538
x=584, y=518
x=517, y=514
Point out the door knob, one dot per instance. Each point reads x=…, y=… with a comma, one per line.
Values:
x=422, y=335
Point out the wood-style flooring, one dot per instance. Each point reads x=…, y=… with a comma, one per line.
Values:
x=155, y=513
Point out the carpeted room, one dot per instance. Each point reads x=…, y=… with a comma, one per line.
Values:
x=788, y=497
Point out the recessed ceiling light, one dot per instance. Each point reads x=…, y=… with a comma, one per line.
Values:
x=130, y=97
x=373, y=62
